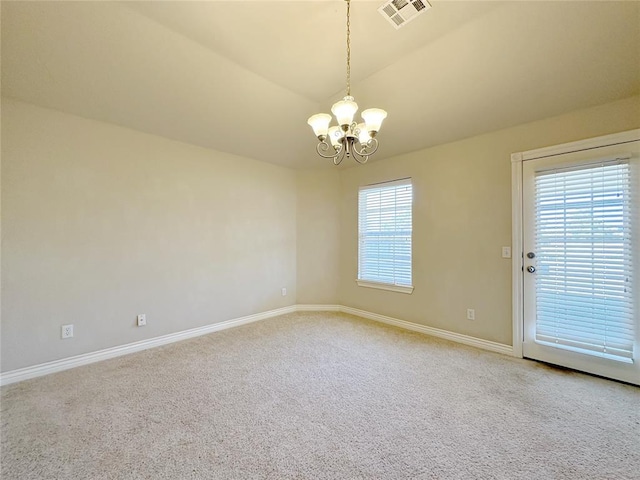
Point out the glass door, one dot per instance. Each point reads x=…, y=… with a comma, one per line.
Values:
x=581, y=247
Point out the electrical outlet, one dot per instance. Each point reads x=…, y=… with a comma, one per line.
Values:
x=142, y=320
x=284, y=292
x=67, y=331
x=471, y=314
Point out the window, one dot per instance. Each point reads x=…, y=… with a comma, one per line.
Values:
x=384, y=232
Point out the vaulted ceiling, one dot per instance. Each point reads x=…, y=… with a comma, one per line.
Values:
x=243, y=76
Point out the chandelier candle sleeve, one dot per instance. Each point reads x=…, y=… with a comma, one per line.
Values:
x=349, y=138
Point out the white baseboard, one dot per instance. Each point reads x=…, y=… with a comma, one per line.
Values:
x=21, y=374
x=318, y=308
x=434, y=332
x=415, y=327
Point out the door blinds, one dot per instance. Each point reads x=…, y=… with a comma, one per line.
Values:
x=584, y=259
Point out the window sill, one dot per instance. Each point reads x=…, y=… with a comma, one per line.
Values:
x=385, y=286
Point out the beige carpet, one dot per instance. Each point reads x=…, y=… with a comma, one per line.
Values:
x=319, y=396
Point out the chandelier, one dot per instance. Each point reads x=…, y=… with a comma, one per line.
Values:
x=348, y=138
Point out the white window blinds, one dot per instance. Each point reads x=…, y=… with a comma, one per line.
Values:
x=384, y=227
x=584, y=259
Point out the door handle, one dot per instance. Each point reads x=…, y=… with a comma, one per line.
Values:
x=531, y=269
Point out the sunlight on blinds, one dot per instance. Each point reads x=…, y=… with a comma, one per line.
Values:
x=384, y=227
x=584, y=259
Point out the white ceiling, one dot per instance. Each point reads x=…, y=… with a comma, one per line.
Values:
x=243, y=77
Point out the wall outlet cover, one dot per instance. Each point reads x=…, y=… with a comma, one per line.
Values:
x=67, y=331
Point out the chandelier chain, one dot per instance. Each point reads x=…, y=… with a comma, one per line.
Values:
x=348, y=48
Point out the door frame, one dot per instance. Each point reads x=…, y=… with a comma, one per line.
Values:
x=517, y=260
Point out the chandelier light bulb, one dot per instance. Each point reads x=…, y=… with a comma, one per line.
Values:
x=373, y=117
x=344, y=110
x=320, y=124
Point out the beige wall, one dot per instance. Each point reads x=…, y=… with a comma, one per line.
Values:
x=462, y=218
x=318, y=224
x=101, y=223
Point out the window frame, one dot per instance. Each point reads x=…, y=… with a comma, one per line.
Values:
x=373, y=283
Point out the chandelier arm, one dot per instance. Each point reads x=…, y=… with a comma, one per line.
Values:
x=336, y=158
x=352, y=151
x=359, y=157
x=323, y=146
x=367, y=149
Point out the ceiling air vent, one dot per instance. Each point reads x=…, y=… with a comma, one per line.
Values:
x=401, y=12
